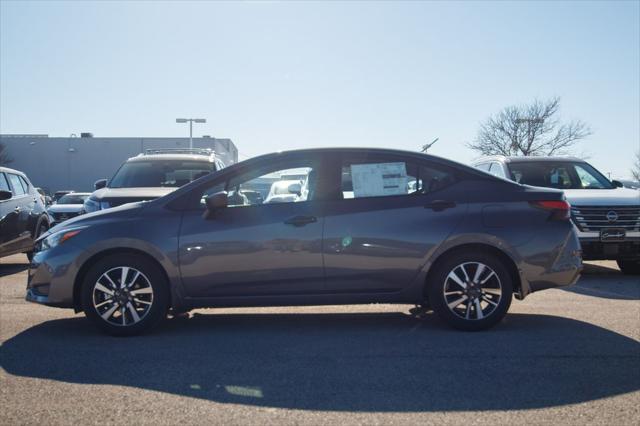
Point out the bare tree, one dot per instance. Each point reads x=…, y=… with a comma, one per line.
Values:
x=4, y=157
x=635, y=171
x=524, y=130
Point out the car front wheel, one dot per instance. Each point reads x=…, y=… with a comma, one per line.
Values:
x=125, y=295
x=629, y=267
x=470, y=291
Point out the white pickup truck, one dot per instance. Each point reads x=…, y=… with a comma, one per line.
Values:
x=606, y=215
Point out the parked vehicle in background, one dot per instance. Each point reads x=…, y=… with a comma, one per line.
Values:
x=606, y=215
x=46, y=200
x=23, y=216
x=253, y=196
x=462, y=242
x=151, y=175
x=631, y=184
x=283, y=191
x=68, y=206
x=59, y=194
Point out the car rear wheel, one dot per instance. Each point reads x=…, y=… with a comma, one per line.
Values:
x=629, y=267
x=470, y=291
x=125, y=295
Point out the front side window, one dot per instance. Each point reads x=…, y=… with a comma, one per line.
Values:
x=16, y=184
x=291, y=183
x=4, y=185
x=166, y=173
x=361, y=179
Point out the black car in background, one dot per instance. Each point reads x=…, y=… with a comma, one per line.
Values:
x=23, y=216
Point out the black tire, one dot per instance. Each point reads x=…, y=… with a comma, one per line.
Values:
x=41, y=229
x=629, y=267
x=151, y=313
x=496, y=293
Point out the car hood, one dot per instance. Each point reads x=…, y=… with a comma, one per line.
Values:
x=89, y=219
x=134, y=194
x=603, y=197
x=65, y=208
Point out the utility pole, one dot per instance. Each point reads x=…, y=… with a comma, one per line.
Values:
x=191, y=121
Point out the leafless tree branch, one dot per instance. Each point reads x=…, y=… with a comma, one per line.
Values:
x=525, y=130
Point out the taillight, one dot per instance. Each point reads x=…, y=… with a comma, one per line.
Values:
x=560, y=210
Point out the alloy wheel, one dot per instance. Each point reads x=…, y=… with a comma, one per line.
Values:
x=122, y=296
x=472, y=291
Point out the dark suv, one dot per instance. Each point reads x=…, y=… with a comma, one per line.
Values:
x=23, y=216
x=153, y=174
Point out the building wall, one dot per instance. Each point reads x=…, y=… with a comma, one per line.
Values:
x=76, y=163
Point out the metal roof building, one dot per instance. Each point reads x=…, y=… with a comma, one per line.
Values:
x=55, y=163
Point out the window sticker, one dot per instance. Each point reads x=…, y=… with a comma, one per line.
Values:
x=380, y=179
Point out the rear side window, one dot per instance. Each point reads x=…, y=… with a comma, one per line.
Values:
x=497, y=170
x=16, y=183
x=362, y=179
x=4, y=185
x=25, y=184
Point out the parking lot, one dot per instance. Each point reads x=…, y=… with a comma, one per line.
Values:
x=568, y=356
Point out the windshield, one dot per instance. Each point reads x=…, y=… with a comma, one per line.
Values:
x=170, y=173
x=560, y=175
x=72, y=199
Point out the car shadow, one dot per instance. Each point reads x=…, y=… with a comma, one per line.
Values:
x=608, y=283
x=12, y=268
x=346, y=362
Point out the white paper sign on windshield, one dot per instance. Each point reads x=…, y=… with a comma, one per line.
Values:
x=379, y=179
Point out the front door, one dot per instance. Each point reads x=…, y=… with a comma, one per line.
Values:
x=388, y=217
x=268, y=241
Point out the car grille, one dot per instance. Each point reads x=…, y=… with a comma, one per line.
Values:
x=595, y=218
x=59, y=217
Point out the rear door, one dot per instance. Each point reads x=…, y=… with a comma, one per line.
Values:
x=14, y=216
x=389, y=214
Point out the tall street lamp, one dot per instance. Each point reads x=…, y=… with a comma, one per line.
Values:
x=191, y=121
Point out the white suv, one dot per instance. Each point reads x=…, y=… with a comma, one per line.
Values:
x=606, y=215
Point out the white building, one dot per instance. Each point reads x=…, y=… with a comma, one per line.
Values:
x=55, y=163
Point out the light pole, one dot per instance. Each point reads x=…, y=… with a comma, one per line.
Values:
x=191, y=121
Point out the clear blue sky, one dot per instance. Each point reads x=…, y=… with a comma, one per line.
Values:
x=282, y=75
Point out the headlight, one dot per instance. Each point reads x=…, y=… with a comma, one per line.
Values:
x=91, y=205
x=59, y=237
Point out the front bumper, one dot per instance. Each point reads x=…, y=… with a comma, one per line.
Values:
x=51, y=277
x=594, y=249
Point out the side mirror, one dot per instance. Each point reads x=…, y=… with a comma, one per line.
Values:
x=100, y=183
x=5, y=195
x=295, y=188
x=214, y=202
x=617, y=183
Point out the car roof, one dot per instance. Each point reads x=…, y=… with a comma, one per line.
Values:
x=172, y=157
x=8, y=170
x=526, y=159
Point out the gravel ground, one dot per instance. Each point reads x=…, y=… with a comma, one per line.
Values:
x=562, y=356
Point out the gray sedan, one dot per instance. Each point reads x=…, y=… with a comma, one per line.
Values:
x=371, y=226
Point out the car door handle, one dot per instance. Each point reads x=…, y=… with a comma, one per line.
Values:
x=439, y=205
x=300, y=220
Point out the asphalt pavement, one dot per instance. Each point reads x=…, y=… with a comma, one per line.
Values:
x=561, y=356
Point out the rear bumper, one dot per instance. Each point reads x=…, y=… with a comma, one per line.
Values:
x=561, y=268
